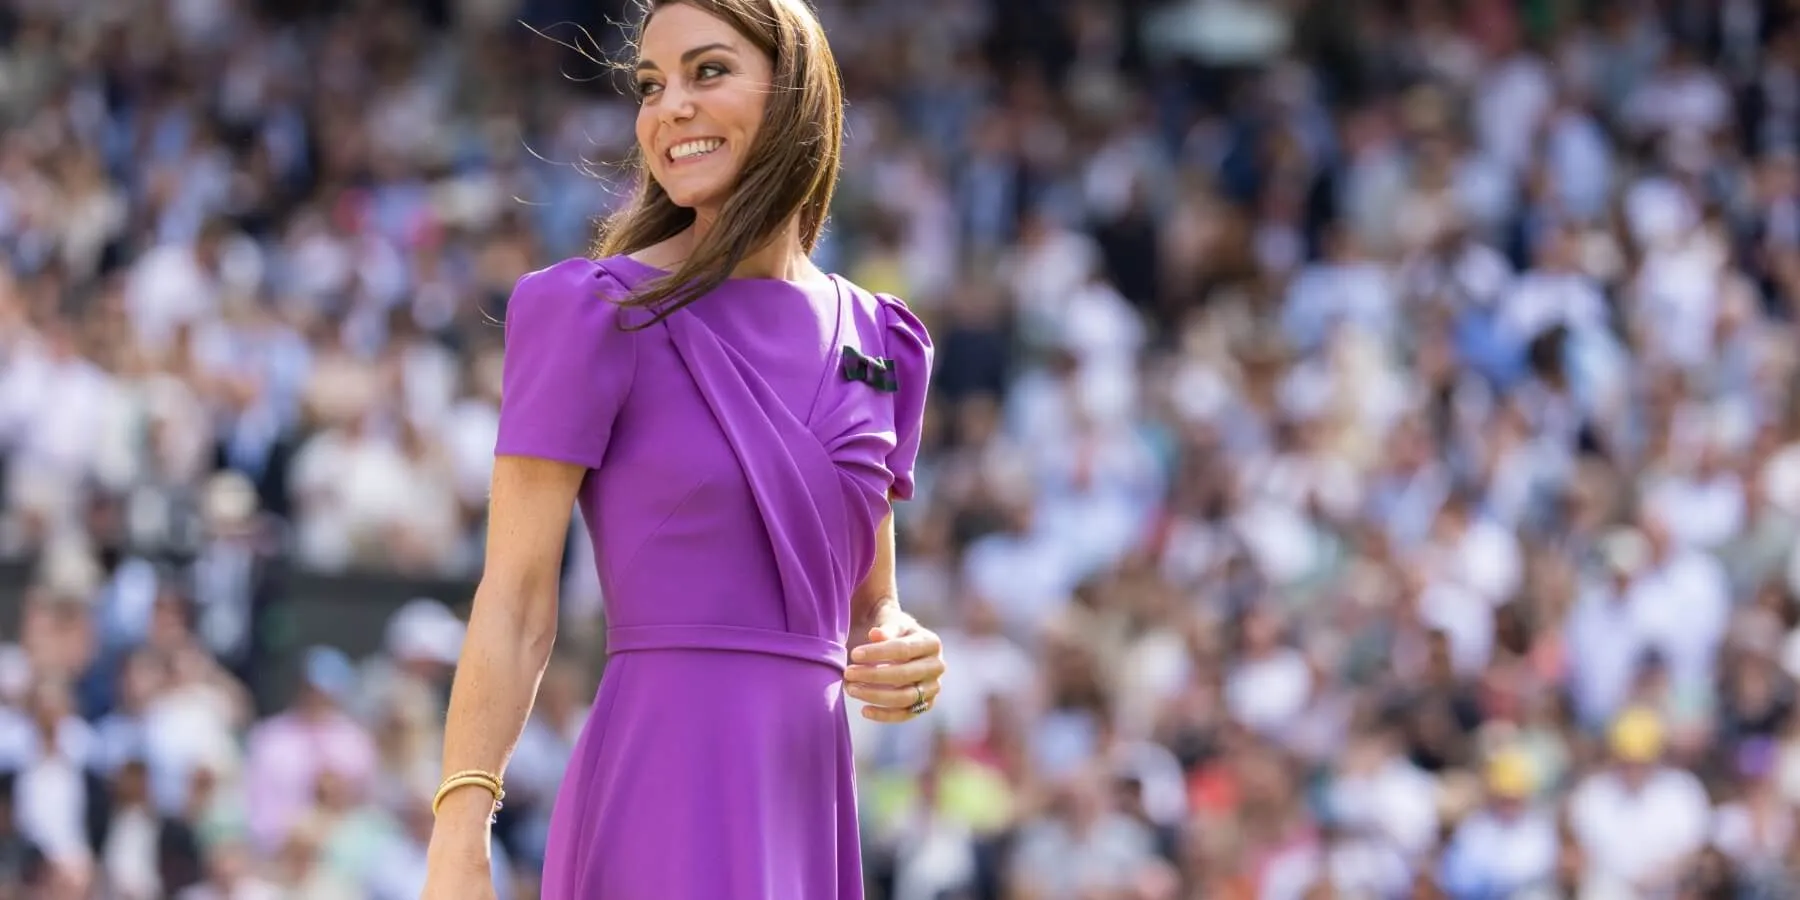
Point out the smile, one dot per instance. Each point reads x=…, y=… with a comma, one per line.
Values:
x=694, y=149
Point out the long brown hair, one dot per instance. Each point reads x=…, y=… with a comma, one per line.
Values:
x=791, y=168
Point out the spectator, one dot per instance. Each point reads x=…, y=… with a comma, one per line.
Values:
x=312, y=741
x=1640, y=823
x=1510, y=845
x=1087, y=845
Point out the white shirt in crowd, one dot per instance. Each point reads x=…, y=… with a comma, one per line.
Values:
x=1494, y=855
x=987, y=666
x=1702, y=511
x=1026, y=576
x=1631, y=837
x=1268, y=694
x=1540, y=300
x=1396, y=800
x=1680, y=610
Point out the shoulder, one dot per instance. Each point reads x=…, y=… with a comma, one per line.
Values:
x=576, y=281
x=576, y=299
x=564, y=323
x=905, y=334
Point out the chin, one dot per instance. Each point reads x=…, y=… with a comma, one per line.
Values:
x=691, y=186
x=696, y=196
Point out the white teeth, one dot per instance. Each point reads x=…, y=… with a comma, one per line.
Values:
x=694, y=148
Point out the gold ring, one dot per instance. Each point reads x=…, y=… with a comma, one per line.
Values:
x=921, y=704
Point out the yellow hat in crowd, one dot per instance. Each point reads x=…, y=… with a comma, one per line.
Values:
x=1637, y=736
x=1510, y=775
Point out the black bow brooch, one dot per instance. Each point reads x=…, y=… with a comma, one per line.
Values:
x=876, y=373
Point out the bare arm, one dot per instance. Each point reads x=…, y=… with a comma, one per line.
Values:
x=893, y=659
x=511, y=630
x=879, y=593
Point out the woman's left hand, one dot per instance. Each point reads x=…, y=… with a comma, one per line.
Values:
x=899, y=672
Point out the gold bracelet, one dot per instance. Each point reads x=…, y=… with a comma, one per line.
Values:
x=475, y=773
x=484, y=782
x=471, y=778
x=450, y=785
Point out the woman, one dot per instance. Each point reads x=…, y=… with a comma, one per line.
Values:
x=733, y=424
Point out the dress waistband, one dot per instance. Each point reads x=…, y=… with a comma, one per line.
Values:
x=639, y=638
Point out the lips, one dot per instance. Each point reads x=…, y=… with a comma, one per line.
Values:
x=694, y=149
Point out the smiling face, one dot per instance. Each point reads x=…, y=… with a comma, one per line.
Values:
x=703, y=89
x=740, y=138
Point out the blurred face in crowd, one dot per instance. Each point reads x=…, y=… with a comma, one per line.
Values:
x=1656, y=532
x=1559, y=252
x=1426, y=888
x=1262, y=632
x=203, y=788
x=131, y=786
x=314, y=701
x=335, y=791
x=1508, y=807
x=983, y=619
x=298, y=854
x=1084, y=798
x=703, y=88
x=230, y=864
x=1620, y=574
x=1634, y=771
x=50, y=704
x=169, y=623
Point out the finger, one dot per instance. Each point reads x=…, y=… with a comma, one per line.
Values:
x=897, y=624
x=882, y=634
x=900, y=648
x=886, y=715
x=894, y=697
x=925, y=668
x=929, y=669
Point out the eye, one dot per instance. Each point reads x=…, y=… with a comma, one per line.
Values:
x=711, y=70
x=646, y=89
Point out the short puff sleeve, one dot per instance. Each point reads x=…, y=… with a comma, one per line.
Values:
x=568, y=366
x=908, y=344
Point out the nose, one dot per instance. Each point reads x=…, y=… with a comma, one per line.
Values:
x=675, y=105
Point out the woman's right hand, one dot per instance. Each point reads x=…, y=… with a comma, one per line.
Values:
x=449, y=886
x=457, y=864
x=449, y=878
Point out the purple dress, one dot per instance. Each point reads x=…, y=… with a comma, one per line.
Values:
x=741, y=455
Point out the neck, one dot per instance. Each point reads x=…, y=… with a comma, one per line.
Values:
x=781, y=258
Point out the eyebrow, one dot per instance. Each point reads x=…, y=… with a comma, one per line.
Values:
x=689, y=55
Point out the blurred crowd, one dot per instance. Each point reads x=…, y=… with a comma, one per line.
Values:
x=1364, y=459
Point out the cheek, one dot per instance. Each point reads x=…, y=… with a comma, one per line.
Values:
x=646, y=138
x=750, y=112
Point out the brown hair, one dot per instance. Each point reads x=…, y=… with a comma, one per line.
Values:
x=791, y=169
